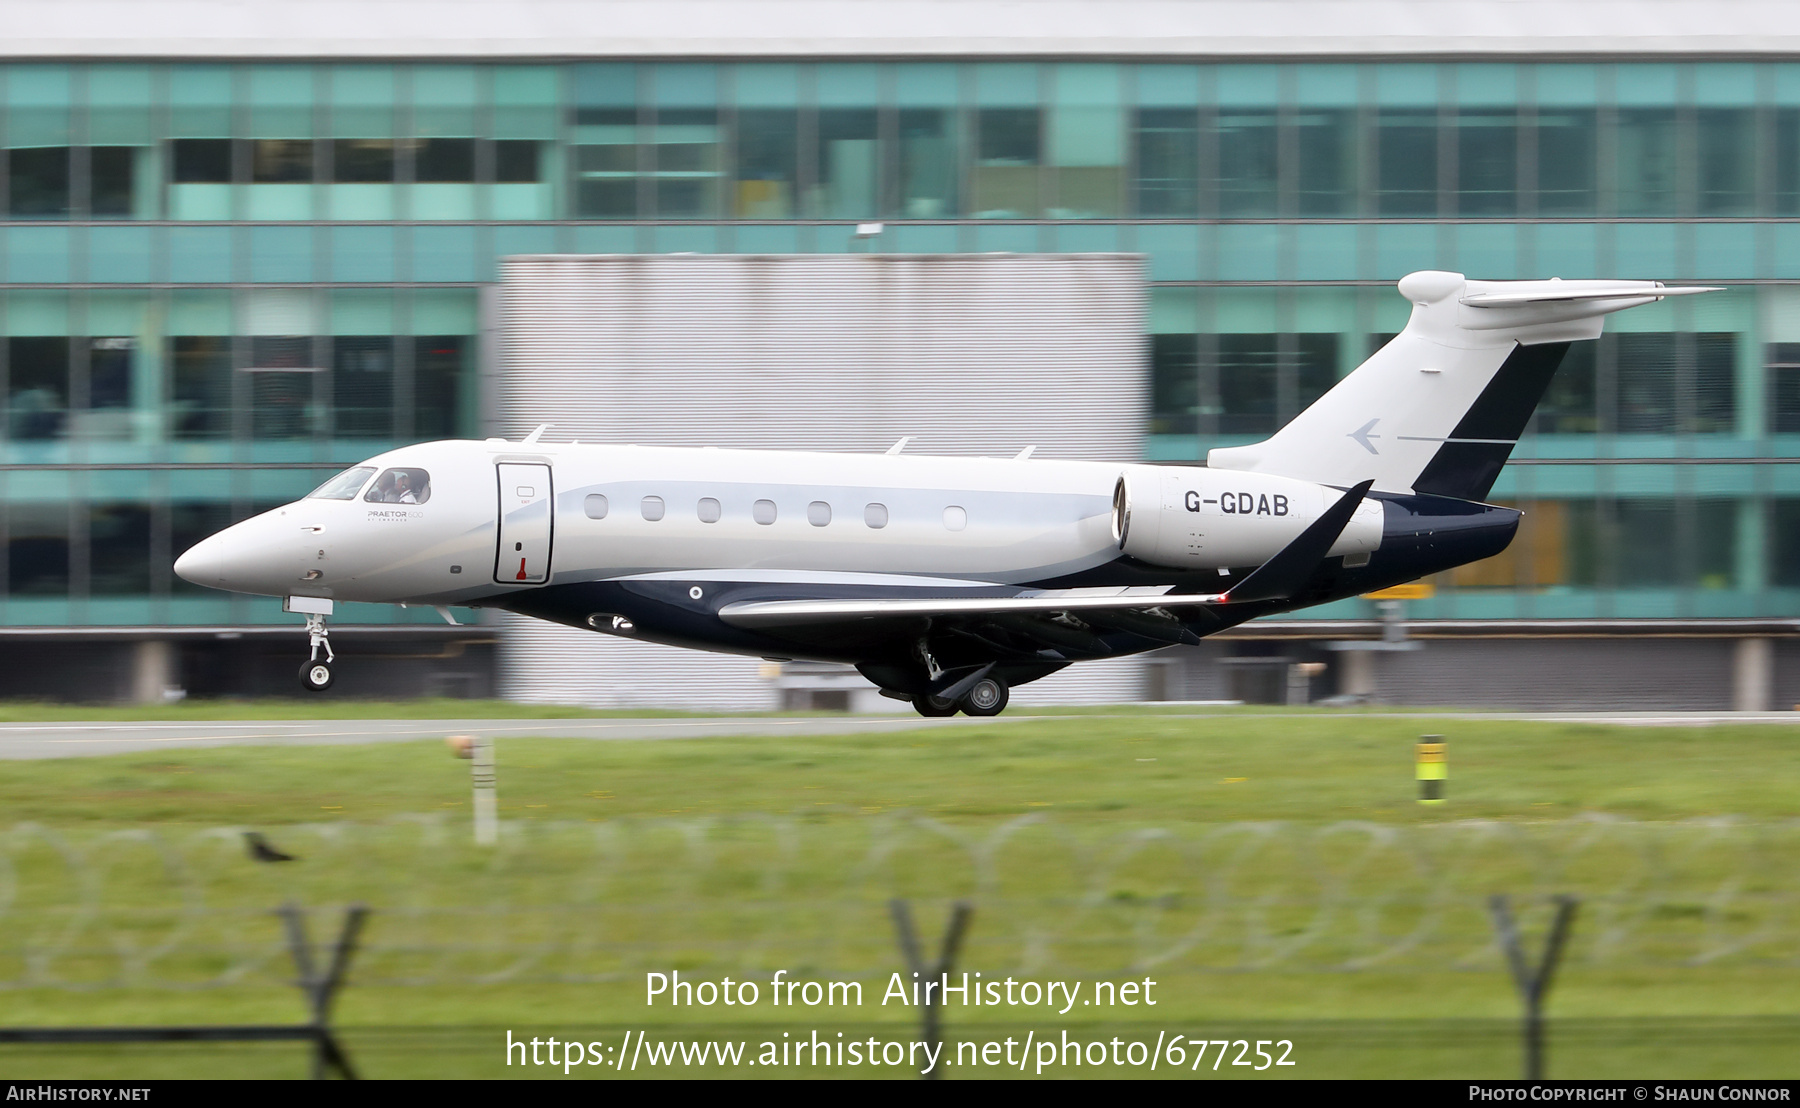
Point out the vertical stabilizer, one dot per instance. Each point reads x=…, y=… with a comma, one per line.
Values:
x=1439, y=409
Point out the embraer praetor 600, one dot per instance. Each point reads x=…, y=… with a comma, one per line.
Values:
x=946, y=581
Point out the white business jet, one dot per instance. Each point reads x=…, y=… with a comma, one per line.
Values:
x=946, y=581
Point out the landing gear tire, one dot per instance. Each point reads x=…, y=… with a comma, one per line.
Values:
x=987, y=697
x=933, y=706
x=316, y=676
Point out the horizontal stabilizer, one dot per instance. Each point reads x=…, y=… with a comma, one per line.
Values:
x=1289, y=570
x=1620, y=290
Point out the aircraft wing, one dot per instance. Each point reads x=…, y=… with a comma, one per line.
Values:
x=1065, y=618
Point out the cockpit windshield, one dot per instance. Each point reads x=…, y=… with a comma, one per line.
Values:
x=400, y=486
x=344, y=486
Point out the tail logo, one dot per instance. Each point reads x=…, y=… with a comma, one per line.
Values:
x=1363, y=435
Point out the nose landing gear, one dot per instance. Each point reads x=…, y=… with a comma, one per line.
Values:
x=315, y=674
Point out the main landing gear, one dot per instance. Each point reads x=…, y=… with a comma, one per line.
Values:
x=986, y=697
x=315, y=673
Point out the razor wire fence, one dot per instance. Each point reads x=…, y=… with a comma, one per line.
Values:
x=745, y=896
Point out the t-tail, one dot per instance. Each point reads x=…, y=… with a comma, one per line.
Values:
x=1439, y=409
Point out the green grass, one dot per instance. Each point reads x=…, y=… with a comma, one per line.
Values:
x=696, y=875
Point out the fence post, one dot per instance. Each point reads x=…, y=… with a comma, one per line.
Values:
x=322, y=988
x=1533, y=984
x=931, y=1031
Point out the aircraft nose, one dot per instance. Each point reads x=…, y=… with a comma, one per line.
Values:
x=204, y=562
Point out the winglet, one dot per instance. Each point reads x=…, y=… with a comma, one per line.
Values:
x=899, y=446
x=1288, y=571
x=535, y=435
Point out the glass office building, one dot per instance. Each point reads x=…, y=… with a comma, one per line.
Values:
x=224, y=279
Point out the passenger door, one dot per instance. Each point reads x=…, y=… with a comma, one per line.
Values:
x=523, y=557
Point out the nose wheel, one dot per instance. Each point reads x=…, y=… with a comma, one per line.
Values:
x=316, y=676
x=315, y=672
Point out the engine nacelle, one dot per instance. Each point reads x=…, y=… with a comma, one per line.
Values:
x=1191, y=517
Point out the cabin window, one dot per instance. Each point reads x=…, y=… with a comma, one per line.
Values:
x=595, y=506
x=763, y=512
x=875, y=515
x=818, y=513
x=955, y=518
x=344, y=486
x=709, y=510
x=400, y=486
x=653, y=508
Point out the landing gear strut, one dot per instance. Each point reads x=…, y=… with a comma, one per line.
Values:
x=315, y=672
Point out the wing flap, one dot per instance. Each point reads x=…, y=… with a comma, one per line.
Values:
x=784, y=613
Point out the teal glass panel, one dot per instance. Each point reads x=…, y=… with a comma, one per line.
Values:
x=121, y=254
x=1166, y=135
x=523, y=239
x=281, y=254
x=1726, y=137
x=1087, y=142
x=776, y=239
x=363, y=312
x=1250, y=252
x=200, y=255
x=850, y=165
x=1168, y=86
x=37, y=140
x=1402, y=248
x=767, y=149
x=1725, y=250
x=281, y=101
x=926, y=85
x=1488, y=251
x=606, y=240
x=124, y=168
x=362, y=101
x=1567, y=250
x=928, y=119
x=1325, y=145
x=686, y=146
x=1567, y=140
x=913, y=238
x=1406, y=86
x=1407, y=162
x=362, y=254
x=1646, y=249
x=195, y=202
x=278, y=202
x=1325, y=251
x=1245, y=133
x=605, y=152
x=1005, y=180
x=200, y=101
x=1645, y=175
x=525, y=101
x=119, y=99
x=37, y=105
x=1487, y=140
x=444, y=101
x=685, y=240
x=1326, y=86
x=1011, y=238
x=1174, y=250
x=445, y=312
x=1088, y=238
x=445, y=254
x=37, y=255
x=1786, y=240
